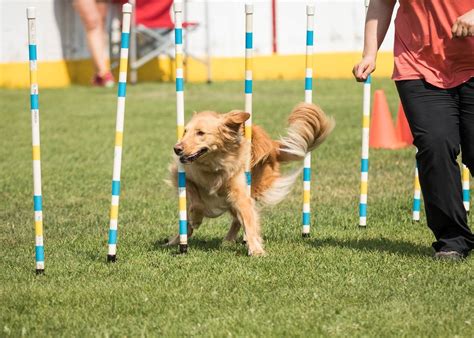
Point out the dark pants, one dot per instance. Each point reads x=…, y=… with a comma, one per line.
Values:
x=442, y=123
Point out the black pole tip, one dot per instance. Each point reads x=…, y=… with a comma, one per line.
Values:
x=40, y=271
x=305, y=235
x=363, y=227
x=111, y=258
x=183, y=248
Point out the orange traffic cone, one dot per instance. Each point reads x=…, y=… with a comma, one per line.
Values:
x=402, y=129
x=382, y=131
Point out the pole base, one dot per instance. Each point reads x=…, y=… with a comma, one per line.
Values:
x=362, y=226
x=111, y=258
x=305, y=235
x=39, y=271
x=415, y=220
x=183, y=248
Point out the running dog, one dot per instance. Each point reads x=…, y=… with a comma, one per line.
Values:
x=214, y=153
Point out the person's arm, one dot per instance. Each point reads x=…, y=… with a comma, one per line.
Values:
x=376, y=26
x=464, y=25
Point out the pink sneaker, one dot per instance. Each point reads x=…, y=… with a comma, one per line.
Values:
x=107, y=80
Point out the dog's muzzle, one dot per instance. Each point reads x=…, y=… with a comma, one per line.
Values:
x=193, y=157
x=178, y=149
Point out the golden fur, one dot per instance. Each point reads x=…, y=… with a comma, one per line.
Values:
x=214, y=153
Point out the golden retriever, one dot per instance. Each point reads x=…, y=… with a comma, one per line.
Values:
x=214, y=153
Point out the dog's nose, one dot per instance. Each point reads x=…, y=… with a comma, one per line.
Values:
x=178, y=149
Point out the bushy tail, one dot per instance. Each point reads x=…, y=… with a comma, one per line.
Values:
x=308, y=127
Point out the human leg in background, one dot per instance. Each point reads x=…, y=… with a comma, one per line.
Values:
x=93, y=15
x=434, y=117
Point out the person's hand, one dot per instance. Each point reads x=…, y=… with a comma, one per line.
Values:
x=464, y=25
x=364, y=68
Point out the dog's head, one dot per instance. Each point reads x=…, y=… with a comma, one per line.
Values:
x=208, y=133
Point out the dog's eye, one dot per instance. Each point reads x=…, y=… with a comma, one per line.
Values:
x=200, y=133
x=184, y=132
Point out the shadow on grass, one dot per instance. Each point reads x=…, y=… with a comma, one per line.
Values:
x=383, y=245
x=200, y=244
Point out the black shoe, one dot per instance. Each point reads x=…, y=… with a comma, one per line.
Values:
x=452, y=256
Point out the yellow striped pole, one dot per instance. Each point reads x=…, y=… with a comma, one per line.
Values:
x=178, y=39
x=119, y=127
x=35, y=132
x=466, y=193
x=308, y=98
x=416, y=196
x=248, y=86
x=364, y=166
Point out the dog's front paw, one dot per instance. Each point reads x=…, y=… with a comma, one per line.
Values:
x=257, y=253
x=256, y=249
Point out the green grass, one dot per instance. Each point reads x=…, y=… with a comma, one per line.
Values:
x=342, y=281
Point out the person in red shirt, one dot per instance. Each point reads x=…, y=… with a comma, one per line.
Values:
x=434, y=76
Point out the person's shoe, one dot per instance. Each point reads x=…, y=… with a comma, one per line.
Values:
x=452, y=256
x=107, y=80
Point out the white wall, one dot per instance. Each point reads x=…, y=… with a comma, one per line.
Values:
x=338, y=28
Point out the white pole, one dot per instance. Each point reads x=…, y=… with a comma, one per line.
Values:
x=308, y=98
x=35, y=132
x=178, y=31
x=119, y=128
x=364, y=172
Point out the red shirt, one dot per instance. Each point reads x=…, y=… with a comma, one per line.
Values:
x=424, y=47
x=152, y=13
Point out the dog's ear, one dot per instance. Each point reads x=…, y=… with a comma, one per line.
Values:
x=235, y=118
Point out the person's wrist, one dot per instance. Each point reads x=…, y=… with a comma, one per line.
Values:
x=369, y=56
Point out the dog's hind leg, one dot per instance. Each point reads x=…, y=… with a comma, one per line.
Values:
x=233, y=231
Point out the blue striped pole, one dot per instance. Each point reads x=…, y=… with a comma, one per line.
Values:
x=466, y=193
x=308, y=98
x=35, y=132
x=248, y=86
x=122, y=86
x=248, y=90
x=178, y=39
x=364, y=167
x=416, y=196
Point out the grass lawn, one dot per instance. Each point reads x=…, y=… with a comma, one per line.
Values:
x=342, y=281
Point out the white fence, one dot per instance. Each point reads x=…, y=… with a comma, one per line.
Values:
x=338, y=28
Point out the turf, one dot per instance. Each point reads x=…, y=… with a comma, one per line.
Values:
x=341, y=281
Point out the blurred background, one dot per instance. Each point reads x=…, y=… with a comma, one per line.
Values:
x=214, y=40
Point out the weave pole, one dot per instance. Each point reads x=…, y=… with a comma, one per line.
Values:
x=466, y=193
x=308, y=98
x=122, y=86
x=35, y=133
x=248, y=86
x=248, y=92
x=178, y=39
x=364, y=166
x=416, y=196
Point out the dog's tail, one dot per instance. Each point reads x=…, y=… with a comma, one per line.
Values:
x=308, y=127
x=280, y=188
